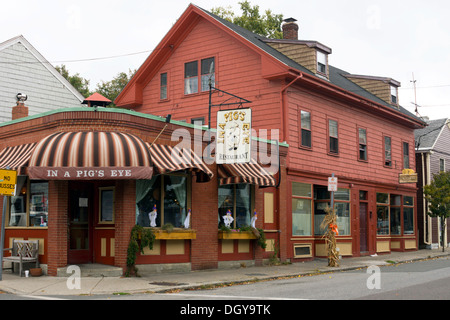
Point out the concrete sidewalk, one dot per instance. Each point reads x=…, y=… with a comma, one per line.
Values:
x=163, y=282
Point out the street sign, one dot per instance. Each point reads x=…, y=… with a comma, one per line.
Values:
x=8, y=181
x=332, y=184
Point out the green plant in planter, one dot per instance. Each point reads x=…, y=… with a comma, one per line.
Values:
x=167, y=227
x=139, y=239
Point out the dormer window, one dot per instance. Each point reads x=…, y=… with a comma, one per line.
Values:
x=394, y=94
x=321, y=62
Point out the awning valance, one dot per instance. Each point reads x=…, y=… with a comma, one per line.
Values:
x=90, y=155
x=252, y=173
x=167, y=159
x=17, y=157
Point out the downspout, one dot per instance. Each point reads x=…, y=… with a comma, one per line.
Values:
x=428, y=168
x=284, y=109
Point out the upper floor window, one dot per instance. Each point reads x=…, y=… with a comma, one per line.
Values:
x=191, y=75
x=405, y=155
x=163, y=86
x=305, y=119
x=333, y=136
x=441, y=165
x=387, y=152
x=321, y=62
x=394, y=95
x=362, y=144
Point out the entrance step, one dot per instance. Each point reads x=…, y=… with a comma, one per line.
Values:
x=92, y=270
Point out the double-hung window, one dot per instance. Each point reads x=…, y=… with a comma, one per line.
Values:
x=387, y=152
x=405, y=155
x=305, y=123
x=192, y=81
x=394, y=98
x=333, y=136
x=362, y=136
x=321, y=62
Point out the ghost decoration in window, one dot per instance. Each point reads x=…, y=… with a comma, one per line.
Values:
x=187, y=220
x=152, y=216
x=254, y=218
x=228, y=219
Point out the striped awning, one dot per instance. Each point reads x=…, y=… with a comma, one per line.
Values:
x=167, y=159
x=90, y=155
x=252, y=173
x=17, y=157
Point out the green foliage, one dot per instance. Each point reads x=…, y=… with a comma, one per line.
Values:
x=139, y=239
x=79, y=83
x=438, y=195
x=267, y=25
x=111, y=89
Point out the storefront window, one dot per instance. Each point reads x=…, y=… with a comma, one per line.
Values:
x=168, y=193
x=38, y=204
x=392, y=209
x=18, y=204
x=301, y=209
x=408, y=215
x=322, y=200
x=236, y=198
x=382, y=213
x=395, y=214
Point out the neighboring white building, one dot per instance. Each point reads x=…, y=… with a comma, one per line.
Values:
x=24, y=70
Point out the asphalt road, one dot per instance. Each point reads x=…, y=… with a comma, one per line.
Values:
x=424, y=280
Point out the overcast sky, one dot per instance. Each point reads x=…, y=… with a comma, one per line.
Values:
x=396, y=39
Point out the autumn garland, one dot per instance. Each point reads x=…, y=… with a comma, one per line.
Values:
x=329, y=222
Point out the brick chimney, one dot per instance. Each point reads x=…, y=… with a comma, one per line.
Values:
x=290, y=29
x=20, y=110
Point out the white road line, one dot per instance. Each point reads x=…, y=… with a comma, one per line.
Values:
x=228, y=297
x=41, y=297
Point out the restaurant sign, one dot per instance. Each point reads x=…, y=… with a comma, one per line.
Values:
x=408, y=176
x=88, y=173
x=233, y=141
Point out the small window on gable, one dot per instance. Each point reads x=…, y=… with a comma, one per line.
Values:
x=321, y=62
x=163, y=86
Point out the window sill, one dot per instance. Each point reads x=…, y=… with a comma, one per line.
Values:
x=237, y=235
x=176, y=234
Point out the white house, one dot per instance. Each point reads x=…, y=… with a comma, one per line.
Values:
x=24, y=70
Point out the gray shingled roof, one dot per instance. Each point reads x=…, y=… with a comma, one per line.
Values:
x=426, y=137
x=336, y=75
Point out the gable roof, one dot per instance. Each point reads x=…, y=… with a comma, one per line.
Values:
x=132, y=93
x=426, y=138
x=21, y=39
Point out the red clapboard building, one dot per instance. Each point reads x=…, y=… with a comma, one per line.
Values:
x=333, y=122
x=88, y=175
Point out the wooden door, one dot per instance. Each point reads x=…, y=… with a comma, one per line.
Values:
x=80, y=223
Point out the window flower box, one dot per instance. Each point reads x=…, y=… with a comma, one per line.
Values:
x=175, y=234
x=237, y=235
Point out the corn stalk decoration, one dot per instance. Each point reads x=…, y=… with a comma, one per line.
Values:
x=329, y=222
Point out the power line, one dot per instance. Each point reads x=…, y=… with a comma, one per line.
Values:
x=78, y=60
